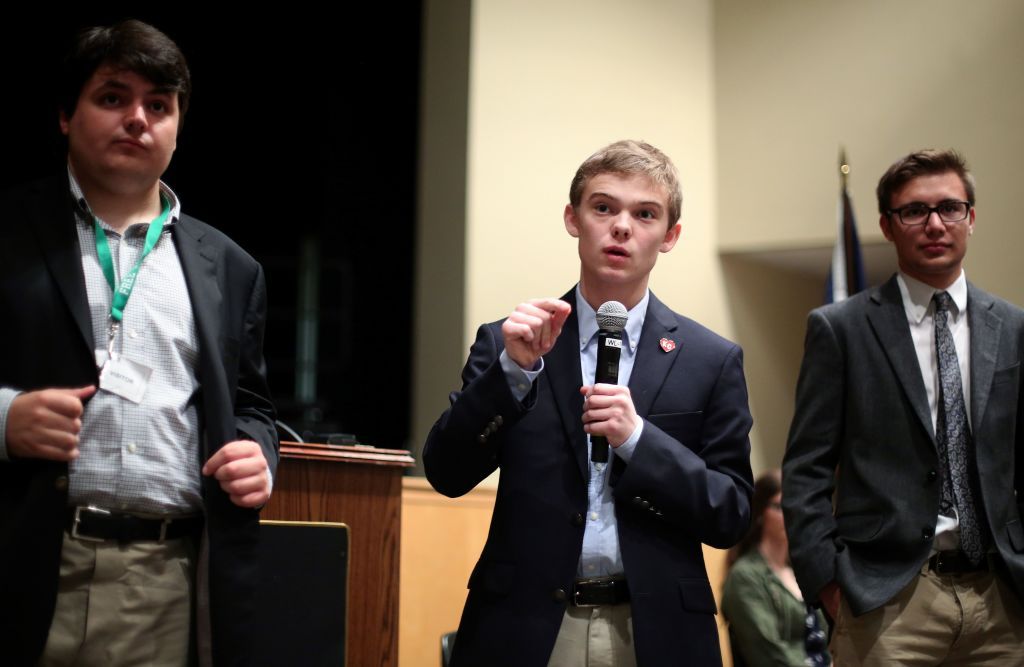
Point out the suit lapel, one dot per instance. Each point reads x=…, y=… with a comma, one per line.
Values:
x=888, y=318
x=985, y=330
x=562, y=367
x=654, y=355
x=199, y=264
x=53, y=221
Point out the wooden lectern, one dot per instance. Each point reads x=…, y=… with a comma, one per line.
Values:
x=362, y=488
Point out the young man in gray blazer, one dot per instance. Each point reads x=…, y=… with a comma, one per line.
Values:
x=904, y=473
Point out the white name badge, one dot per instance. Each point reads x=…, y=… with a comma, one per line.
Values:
x=126, y=378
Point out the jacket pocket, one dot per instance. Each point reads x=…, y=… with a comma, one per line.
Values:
x=697, y=596
x=682, y=426
x=492, y=577
x=858, y=527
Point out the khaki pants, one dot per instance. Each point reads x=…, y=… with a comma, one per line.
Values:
x=965, y=619
x=120, y=604
x=595, y=637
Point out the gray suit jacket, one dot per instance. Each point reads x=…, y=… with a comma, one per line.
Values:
x=861, y=407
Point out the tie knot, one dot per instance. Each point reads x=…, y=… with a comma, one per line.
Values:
x=942, y=301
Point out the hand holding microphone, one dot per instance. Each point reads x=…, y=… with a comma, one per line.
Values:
x=608, y=412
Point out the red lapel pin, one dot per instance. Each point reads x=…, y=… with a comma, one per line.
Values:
x=667, y=344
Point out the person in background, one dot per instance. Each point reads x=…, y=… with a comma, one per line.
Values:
x=761, y=600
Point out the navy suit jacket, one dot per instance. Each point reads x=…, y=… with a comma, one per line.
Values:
x=861, y=406
x=687, y=482
x=46, y=341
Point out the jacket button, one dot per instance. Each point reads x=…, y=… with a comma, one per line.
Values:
x=498, y=420
x=558, y=595
x=577, y=519
x=927, y=533
x=492, y=426
x=932, y=476
x=482, y=438
x=638, y=501
x=646, y=505
x=61, y=483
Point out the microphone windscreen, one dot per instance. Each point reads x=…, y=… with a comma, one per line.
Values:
x=612, y=316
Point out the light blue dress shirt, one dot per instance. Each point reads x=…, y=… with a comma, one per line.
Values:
x=600, y=556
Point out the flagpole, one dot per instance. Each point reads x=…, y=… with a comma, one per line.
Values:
x=844, y=168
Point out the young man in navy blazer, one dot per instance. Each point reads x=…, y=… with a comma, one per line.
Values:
x=588, y=558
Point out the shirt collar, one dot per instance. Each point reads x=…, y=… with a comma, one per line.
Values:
x=83, y=205
x=587, y=319
x=917, y=296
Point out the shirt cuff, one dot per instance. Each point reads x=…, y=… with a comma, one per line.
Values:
x=7, y=396
x=519, y=380
x=625, y=450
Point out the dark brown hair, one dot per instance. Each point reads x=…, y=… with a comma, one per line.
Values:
x=129, y=45
x=922, y=163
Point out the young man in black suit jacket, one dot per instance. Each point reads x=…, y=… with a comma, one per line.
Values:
x=135, y=424
x=588, y=558
x=909, y=410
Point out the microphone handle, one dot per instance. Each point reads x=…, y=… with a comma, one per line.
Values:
x=609, y=349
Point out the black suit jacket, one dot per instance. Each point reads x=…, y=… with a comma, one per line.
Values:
x=861, y=405
x=46, y=341
x=687, y=482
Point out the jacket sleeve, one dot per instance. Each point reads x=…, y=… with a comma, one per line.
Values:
x=463, y=446
x=703, y=482
x=254, y=412
x=812, y=453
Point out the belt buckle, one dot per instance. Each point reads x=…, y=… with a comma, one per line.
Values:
x=576, y=600
x=597, y=581
x=163, y=530
x=78, y=520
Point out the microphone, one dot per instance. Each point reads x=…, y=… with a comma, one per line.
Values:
x=611, y=320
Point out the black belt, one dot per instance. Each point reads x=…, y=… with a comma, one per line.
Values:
x=599, y=591
x=955, y=562
x=96, y=524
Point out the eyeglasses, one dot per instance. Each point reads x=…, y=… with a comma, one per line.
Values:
x=950, y=211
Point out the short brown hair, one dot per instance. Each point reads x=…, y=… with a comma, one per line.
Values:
x=129, y=45
x=629, y=157
x=922, y=163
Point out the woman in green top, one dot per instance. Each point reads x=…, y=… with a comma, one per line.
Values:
x=761, y=600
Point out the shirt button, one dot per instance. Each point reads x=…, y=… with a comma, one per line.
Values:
x=521, y=387
x=593, y=516
x=132, y=447
x=132, y=333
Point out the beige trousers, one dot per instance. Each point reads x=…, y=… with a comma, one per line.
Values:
x=122, y=604
x=595, y=637
x=966, y=619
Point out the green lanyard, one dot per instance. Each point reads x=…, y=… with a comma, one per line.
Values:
x=124, y=290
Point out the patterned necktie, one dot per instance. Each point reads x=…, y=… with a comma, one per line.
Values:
x=954, y=436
